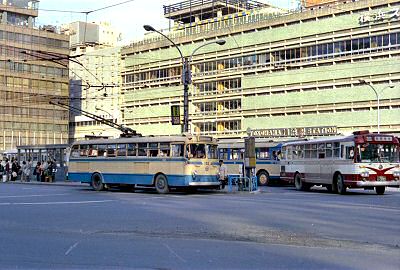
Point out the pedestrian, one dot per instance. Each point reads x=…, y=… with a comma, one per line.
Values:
x=38, y=171
x=223, y=174
x=15, y=170
x=8, y=170
x=26, y=171
x=3, y=171
x=49, y=174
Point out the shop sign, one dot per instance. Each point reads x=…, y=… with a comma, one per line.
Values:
x=294, y=132
x=379, y=16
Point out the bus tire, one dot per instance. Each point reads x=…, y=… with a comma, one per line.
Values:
x=299, y=184
x=97, y=182
x=341, y=187
x=263, y=178
x=161, y=184
x=380, y=190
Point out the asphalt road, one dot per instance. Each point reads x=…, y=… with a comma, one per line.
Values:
x=70, y=227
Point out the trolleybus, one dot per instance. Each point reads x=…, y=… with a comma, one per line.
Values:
x=231, y=151
x=362, y=160
x=161, y=162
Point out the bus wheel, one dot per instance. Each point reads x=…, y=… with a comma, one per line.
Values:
x=97, y=183
x=341, y=187
x=263, y=178
x=161, y=184
x=300, y=185
x=380, y=190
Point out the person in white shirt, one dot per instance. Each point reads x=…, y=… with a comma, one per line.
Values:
x=223, y=174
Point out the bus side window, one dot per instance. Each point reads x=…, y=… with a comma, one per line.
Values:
x=336, y=150
x=164, y=150
x=83, y=150
x=153, y=149
x=101, y=150
x=111, y=149
x=74, y=151
x=131, y=150
x=349, y=152
x=121, y=150
x=177, y=150
x=92, y=151
x=321, y=151
x=142, y=150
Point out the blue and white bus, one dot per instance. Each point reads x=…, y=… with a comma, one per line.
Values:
x=231, y=151
x=162, y=162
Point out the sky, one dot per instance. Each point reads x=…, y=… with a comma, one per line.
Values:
x=128, y=18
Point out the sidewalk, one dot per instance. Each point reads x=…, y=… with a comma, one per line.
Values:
x=56, y=183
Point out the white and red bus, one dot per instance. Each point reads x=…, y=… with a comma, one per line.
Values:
x=362, y=160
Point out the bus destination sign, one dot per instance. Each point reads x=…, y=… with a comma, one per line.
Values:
x=294, y=132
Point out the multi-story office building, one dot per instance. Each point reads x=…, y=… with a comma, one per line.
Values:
x=95, y=79
x=30, y=78
x=334, y=65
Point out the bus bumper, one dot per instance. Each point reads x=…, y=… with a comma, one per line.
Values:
x=376, y=183
x=203, y=184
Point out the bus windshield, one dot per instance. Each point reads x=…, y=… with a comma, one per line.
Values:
x=201, y=150
x=378, y=153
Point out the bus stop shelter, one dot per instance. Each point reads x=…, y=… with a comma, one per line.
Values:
x=43, y=153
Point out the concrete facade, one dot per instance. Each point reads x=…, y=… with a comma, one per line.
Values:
x=29, y=81
x=300, y=69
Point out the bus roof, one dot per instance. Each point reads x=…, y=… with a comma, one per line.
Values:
x=149, y=139
x=239, y=143
x=321, y=140
x=364, y=137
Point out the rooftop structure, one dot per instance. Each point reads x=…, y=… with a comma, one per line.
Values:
x=190, y=11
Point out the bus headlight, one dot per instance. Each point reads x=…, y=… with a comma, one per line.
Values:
x=194, y=174
x=396, y=174
x=364, y=174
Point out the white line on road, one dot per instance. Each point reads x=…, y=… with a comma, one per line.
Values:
x=71, y=248
x=53, y=203
x=174, y=253
x=28, y=196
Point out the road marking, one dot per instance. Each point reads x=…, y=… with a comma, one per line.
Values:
x=71, y=248
x=29, y=196
x=54, y=203
x=174, y=253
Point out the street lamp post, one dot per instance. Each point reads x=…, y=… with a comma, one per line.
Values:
x=100, y=109
x=377, y=99
x=186, y=72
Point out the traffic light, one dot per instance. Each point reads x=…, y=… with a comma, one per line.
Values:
x=175, y=115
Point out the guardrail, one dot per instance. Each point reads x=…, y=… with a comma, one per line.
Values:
x=242, y=183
